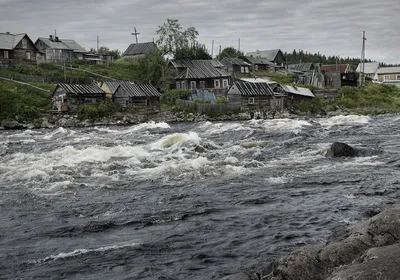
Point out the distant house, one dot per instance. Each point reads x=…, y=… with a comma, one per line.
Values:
x=334, y=74
x=260, y=64
x=301, y=67
x=388, y=74
x=110, y=87
x=250, y=94
x=140, y=49
x=294, y=94
x=137, y=96
x=200, y=74
x=341, y=68
x=96, y=58
x=69, y=97
x=276, y=56
x=370, y=69
x=236, y=66
x=57, y=50
x=15, y=48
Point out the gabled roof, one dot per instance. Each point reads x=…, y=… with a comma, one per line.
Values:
x=252, y=89
x=228, y=61
x=258, y=60
x=388, y=70
x=256, y=80
x=80, y=89
x=297, y=90
x=268, y=54
x=369, y=67
x=136, y=90
x=141, y=48
x=113, y=85
x=199, y=69
x=302, y=67
x=62, y=44
x=343, y=68
x=10, y=41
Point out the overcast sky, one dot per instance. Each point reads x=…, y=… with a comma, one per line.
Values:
x=332, y=27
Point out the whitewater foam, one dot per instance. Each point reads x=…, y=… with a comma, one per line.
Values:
x=344, y=120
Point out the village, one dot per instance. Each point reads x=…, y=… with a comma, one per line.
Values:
x=234, y=83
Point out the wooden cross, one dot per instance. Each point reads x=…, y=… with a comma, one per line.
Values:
x=135, y=34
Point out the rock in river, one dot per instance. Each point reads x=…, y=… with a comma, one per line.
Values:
x=8, y=124
x=339, y=149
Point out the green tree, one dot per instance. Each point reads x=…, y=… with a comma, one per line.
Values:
x=172, y=37
x=229, y=52
x=195, y=52
x=106, y=51
x=152, y=69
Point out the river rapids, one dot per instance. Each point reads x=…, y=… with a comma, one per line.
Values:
x=185, y=201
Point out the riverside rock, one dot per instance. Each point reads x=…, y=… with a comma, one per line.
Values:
x=10, y=124
x=338, y=149
x=239, y=276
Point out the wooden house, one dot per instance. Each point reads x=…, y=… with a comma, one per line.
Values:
x=236, y=66
x=137, y=96
x=110, y=87
x=260, y=64
x=58, y=50
x=336, y=75
x=69, y=97
x=140, y=50
x=200, y=74
x=276, y=56
x=294, y=94
x=370, y=69
x=251, y=94
x=16, y=48
x=390, y=75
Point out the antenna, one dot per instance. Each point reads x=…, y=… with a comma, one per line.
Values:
x=135, y=34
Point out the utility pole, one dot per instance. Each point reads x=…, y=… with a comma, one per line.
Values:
x=362, y=65
x=98, y=42
x=212, y=49
x=239, y=45
x=135, y=34
x=219, y=49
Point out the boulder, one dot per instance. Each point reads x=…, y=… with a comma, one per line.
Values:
x=239, y=276
x=11, y=124
x=339, y=149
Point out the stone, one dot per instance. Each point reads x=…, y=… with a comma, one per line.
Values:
x=239, y=276
x=11, y=124
x=339, y=149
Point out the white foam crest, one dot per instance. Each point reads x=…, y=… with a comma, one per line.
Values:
x=349, y=163
x=57, y=131
x=79, y=252
x=344, y=120
x=281, y=125
x=25, y=133
x=218, y=128
x=146, y=126
x=107, y=130
x=176, y=140
x=277, y=180
x=350, y=196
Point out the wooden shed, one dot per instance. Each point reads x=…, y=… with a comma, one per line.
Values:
x=137, y=96
x=68, y=97
x=251, y=95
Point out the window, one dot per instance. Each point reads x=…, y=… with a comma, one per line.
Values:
x=178, y=85
x=24, y=43
x=202, y=84
x=28, y=55
x=183, y=85
x=246, y=69
x=225, y=83
x=256, y=67
x=251, y=100
x=386, y=77
x=398, y=77
x=6, y=54
x=217, y=84
x=193, y=85
x=242, y=69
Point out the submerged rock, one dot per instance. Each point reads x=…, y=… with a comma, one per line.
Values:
x=339, y=149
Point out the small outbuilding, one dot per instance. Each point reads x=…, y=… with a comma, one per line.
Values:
x=137, y=96
x=251, y=94
x=69, y=97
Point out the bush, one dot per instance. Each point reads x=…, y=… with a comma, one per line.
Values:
x=221, y=100
x=170, y=96
x=101, y=110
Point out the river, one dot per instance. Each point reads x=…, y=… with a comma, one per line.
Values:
x=185, y=201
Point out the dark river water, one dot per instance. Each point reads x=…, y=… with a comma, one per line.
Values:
x=185, y=201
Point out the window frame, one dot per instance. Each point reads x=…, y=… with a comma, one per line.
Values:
x=6, y=55
x=255, y=67
x=225, y=83
x=183, y=85
x=251, y=101
x=24, y=43
x=178, y=85
x=398, y=77
x=217, y=82
x=28, y=55
x=386, y=77
x=202, y=84
x=191, y=85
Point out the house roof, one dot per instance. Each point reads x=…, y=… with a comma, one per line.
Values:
x=63, y=44
x=80, y=89
x=343, y=68
x=268, y=54
x=140, y=48
x=10, y=41
x=227, y=61
x=73, y=45
x=256, y=80
x=252, y=89
x=297, y=90
x=302, y=67
x=369, y=67
x=258, y=60
x=113, y=85
x=388, y=70
x=199, y=69
x=136, y=90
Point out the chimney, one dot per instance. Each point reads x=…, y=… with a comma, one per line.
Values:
x=51, y=37
x=57, y=40
x=8, y=33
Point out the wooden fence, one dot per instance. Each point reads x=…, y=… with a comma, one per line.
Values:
x=51, y=80
x=204, y=108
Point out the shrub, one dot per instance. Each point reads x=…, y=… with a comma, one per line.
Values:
x=101, y=110
x=221, y=100
x=170, y=96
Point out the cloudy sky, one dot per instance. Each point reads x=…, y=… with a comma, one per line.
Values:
x=332, y=27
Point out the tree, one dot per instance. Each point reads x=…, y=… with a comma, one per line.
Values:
x=195, y=52
x=229, y=52
x=152, y=69
x=173, y=38
x=106, y=51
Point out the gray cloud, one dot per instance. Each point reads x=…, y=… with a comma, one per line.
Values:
x=330, y=27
